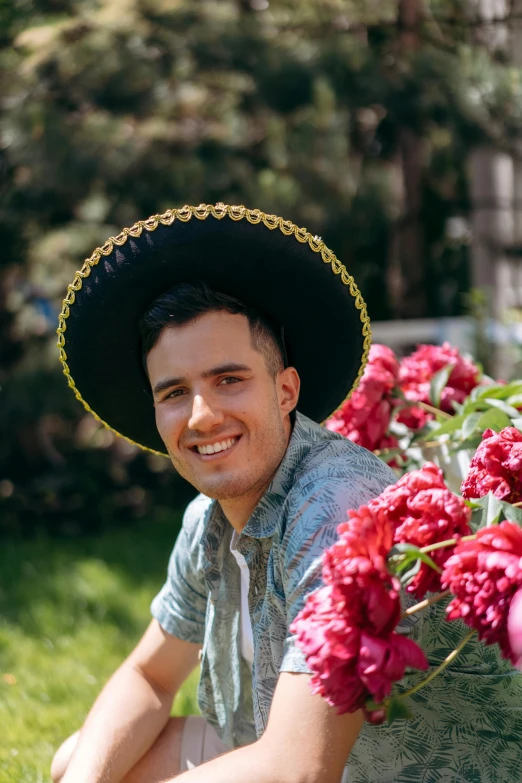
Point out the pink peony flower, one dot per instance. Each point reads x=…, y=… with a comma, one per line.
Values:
x=347, y=628
x=514, y=627
x=365, y=417
x=418, y=369
x=483, y=576
x=329, y=635
x=422, y=511
x=383, y=661
x=413, y=417
x=496, y=467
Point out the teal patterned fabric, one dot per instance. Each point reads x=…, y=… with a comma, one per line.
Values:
x=468, y=723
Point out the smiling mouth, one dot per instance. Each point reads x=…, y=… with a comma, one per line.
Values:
x=216, y=448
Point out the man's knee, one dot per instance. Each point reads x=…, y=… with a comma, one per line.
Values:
x=62, y=757
x=162, y=760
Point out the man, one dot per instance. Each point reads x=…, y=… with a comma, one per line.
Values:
x=274, y=486
x=242, y=322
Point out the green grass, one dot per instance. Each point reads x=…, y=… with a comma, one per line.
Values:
x=70, y=611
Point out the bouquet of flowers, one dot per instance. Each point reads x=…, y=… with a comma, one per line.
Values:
x=418, y=540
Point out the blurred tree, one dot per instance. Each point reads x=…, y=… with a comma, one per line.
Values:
x=349, y=117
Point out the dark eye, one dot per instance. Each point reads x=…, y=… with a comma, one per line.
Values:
x=174, y=393
x=230, y=379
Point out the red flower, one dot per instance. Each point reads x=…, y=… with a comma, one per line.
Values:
x=514, y=627
x=496, y=467
x=422, y=511
x=413, y=417
x=483, y=576
x=383, y=661
x=383, y=357
x=347, y=628
x=418, y=369
x=365, y=417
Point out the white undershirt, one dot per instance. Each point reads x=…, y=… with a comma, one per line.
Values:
x=247, y=639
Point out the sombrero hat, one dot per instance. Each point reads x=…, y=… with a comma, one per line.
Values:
x=265, y=261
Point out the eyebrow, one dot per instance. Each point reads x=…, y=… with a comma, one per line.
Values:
x=221, y=369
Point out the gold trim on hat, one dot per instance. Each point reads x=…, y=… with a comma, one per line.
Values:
x=201, y=212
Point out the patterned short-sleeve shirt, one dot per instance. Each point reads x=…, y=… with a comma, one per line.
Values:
x=321, y=476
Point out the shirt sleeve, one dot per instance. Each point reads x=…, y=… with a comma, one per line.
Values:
x=180, y=606
x=314, y=514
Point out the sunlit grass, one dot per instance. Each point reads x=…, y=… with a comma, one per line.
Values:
x=69, y=613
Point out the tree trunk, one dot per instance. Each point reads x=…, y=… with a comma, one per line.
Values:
x=491, y=179
x=412, y=301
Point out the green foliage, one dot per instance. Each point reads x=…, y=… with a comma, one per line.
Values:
x=113, y=111
x=438, y=383
x=396, y=709
x=489, y=510
x=70, y=613
x=405, y=560
x=492, y=406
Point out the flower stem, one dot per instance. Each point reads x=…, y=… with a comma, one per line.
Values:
x=517, y=505
x=440, y=668
x=432, y=409
x=427, y=602
x=449, y=542
x=427, y=444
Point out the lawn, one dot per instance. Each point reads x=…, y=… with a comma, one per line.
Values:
x=70, y=611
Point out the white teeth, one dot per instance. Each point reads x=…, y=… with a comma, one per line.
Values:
x=216, y=447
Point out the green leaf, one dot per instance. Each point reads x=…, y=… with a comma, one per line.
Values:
x=492, y=509
x=405, y=577
x=494, y=419
x=400, y=556
x=515, y=399
x=493, y=390
x=470, y=424
x=473, y=405
x=450, y=425
x=500, y=390
x=477, y=520
x=469, y=444
x=503, y=406
x=403, y=548
x=405, y=561
x=438, y=382
x=515, y=387
x=474, y=503
x=511, y=512
x=396, y=709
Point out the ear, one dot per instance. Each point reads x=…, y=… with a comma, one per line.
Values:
x=288, y=385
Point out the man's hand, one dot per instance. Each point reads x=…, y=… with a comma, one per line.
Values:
x=305, y=742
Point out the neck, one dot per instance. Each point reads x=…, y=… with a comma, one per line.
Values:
x=239, y=510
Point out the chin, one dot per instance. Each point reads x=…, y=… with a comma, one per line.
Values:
x=223, y=490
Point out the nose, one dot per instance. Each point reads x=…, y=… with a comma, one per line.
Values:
x=204, y=416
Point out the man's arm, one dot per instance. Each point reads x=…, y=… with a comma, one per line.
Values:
x=305, y=742
x=132, y=709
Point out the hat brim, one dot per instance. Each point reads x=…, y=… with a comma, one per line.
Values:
x=264, y=261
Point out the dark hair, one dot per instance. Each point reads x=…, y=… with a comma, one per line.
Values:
x=188, y=301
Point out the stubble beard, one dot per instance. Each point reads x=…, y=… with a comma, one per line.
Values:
x=242, y=483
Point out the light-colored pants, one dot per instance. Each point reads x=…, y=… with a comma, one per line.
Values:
x=199, y=743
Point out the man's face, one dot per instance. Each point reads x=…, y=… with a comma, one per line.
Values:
x=222, y=416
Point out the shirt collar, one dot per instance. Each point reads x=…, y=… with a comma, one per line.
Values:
x=263, y=520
